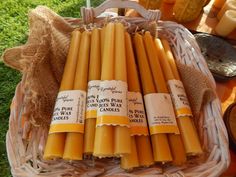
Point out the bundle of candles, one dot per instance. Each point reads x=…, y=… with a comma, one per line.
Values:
x=100, y=110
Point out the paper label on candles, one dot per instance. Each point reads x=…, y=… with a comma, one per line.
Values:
x=136, y=114
x=92, y=99
x=160, y=113
x=112, y=103
x=179, y=98
x=69, y=112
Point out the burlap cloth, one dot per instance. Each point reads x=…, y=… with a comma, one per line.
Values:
x=42, y=59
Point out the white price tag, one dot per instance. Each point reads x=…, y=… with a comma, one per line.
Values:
x=179, y=98
x=69, y=112
x=112, y=107
x=160, y=113
x=92, y=99
x=136, y=114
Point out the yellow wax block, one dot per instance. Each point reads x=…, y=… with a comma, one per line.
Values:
x=130, y=161
x=103, y=143
x=175, y=142
x=160, y=146
x=94, y=74
x=187, y=130
x=74, y=141
x=122, y=133
x=55, y=143
x=143, y=144
x=145, y=156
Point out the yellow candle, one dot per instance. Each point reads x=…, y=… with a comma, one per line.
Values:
x=103, y=143
x=144, y=149
x=143, y=143
x=219, y=3
x=129, y=161
x=160, y=145
x=55, y=143
x=176, y=144
x=122, y=133
x=102, y=41
x=186, y=126
x=228, y=5
x=179, y=150
x=74, y=141
x=227, y=23
x=94, y=74
x=141, y=152
x=170, y=58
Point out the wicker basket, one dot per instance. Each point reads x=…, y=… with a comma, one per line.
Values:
x=25, y=157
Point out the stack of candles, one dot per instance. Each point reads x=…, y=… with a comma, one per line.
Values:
x=103, y=109
x=227, y=18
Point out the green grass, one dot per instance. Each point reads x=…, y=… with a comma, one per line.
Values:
x=13, y=32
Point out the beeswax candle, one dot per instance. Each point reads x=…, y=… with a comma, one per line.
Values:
x=227, y=23
x=103, y=143
x=74, y=141
x=122, y=133
x=141, y=152
x=170, y=58
x=160, y=145
x=94, y=74
x=179, y=149
x=102, y=41
x=186, y=126
x=175, y=141
x=55, y=143
x=129, y=161
x=144, y=149
x=228, y=5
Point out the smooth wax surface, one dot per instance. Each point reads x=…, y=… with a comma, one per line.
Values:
x=55, y=143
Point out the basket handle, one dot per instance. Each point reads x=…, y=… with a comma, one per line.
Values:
x=88, y=14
